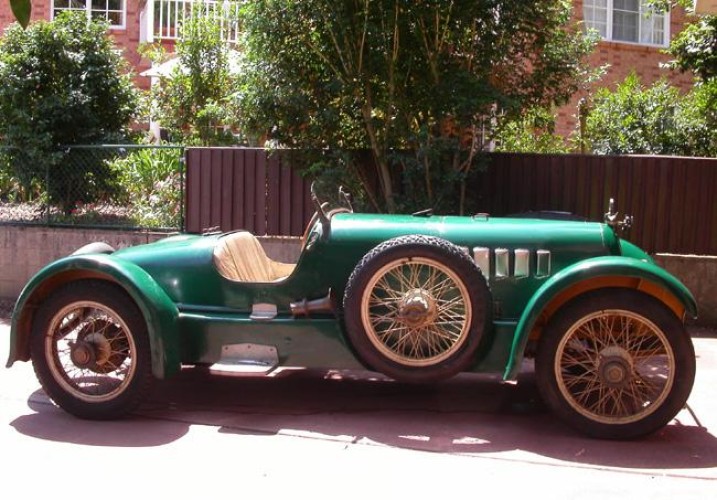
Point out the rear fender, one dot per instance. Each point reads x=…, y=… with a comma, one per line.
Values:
x=158, y=310
x=591, y=274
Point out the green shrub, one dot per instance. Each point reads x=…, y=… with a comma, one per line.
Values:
x=195, y=102
x=532, y=132
x=634, y=119
x=697, y=120
x=9, y=186
x=12, y=189
x=63, y=83
x=151, y=180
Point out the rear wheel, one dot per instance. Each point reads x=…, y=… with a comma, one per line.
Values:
x=615, y=364
x=416, y=308
x=90, y=350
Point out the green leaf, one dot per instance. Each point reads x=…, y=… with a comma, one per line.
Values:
x=22, y=10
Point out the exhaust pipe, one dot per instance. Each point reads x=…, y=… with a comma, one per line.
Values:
x=306, y=307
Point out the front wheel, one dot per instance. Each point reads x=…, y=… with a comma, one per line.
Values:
x=615, y=364
x=90, y=350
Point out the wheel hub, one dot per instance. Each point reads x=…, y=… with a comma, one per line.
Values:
x=91, y=351
x=417, y=308
x=615, y=367
x=82, y=354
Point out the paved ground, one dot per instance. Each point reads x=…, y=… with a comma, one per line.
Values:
x=345, y=435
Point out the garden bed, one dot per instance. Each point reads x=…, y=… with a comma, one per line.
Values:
x=87, y=215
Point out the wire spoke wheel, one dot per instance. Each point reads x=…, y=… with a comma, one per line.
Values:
x=416, y=308
x=416, y=311
x=91, y=351
x=615, y=366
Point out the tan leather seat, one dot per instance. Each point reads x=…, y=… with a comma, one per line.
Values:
x=240, y=257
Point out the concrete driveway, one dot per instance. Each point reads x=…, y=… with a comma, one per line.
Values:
x=344, y=435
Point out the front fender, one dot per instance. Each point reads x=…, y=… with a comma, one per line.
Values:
x=612, y=271
x=158, y=310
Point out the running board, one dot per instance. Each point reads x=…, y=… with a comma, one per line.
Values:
x=238, y=359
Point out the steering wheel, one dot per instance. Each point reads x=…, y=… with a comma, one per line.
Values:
x=312, y=223
x=315, y=218
x=324, y=215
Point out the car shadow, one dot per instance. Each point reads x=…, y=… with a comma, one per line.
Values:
x=53, y=424
x=470, y=414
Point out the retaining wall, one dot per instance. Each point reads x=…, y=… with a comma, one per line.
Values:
x=699, y=274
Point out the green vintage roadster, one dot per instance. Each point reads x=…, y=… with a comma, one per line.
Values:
x=419, y=298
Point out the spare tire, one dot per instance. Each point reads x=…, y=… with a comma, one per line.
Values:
x=415, y=309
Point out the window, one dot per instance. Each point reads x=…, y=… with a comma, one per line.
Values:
x=627, y=21
x=110, y=10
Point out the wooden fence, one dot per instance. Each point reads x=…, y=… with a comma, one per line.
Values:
x=673, y=200
x=238, y=188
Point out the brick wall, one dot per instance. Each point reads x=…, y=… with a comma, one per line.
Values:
x=623, y=58
x=128, y=40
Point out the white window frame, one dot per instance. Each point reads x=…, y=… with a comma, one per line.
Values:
x=88, y=10
x=609, y=28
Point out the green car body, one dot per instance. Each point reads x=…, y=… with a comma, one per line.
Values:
x=192, y=310
x=532, y=268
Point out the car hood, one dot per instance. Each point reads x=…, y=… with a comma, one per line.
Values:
x=183, y=266
x=584, y=238
x=364, y=231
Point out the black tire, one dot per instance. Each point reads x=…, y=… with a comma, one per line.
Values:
x=430, y=308
x=90, y=350
x=615, y=364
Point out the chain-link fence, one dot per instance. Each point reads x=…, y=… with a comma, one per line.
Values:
x=122, y=186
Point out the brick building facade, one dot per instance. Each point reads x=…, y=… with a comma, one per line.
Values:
x=135, y=23
x=127, y=35
x=624, y=57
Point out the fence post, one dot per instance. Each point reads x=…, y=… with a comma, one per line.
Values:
x=182, y=190
x=47, y=196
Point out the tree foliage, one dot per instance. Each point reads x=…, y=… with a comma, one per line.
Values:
x=531, y=132
x=695, y=48
x=195, y=102
x=21, y=9
x=634, y=119
x=418, y=84
x=697, y=120
x=63, y=84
